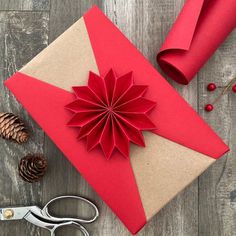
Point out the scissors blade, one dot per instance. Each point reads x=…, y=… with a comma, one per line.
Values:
x=13, y=213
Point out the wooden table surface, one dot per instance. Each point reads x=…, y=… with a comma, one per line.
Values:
x=207, y=207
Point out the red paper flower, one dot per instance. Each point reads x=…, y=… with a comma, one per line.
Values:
x=111, y=112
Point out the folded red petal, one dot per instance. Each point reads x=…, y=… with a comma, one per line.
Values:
x=110, y=81
x=82, y=118
x=121, y=139
x=107, y=138
x=96, y=84
x=132, y=93
x=123, y=83
x=139, y=105
x=85, y=93
x=94, y=136
x=87, y=128
x=140, y=121
x=134, y=135
x=83, y=105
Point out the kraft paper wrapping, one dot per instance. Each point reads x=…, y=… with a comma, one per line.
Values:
x=159, y=179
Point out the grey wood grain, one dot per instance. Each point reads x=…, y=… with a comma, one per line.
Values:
x=24, y=5
x=180, y=216
x=217, y=186
x=206, y=207
x=146, y=23
x=22, y=34
x=63, y=178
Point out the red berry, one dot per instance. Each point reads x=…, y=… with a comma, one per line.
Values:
x=211, y=87
x=209, y=107
x=234, y=88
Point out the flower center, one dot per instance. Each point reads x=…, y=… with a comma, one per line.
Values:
x=109, y=109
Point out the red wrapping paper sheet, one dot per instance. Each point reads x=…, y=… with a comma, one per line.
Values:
x=200, y=28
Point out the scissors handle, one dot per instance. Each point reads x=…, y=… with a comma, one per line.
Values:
x=67, y=219
x=70, y=223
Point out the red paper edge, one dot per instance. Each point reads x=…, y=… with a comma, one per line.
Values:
x=205, y=140
x=124, y=199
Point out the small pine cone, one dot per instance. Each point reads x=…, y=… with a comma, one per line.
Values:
x=12, y=128
x=32, y=168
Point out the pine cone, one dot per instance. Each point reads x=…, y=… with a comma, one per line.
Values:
x=12, y=128
x=32, y=168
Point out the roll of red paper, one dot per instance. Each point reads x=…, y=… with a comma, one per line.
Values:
x=200, y=28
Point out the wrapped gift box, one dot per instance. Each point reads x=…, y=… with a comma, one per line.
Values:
x=178, y=150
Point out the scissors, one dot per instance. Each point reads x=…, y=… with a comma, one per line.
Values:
x=42, y=218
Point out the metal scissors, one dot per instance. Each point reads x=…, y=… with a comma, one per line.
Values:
x=42, y=218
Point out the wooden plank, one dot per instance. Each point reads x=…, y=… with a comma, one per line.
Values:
x=62, y=177
x=26, y=5
x=180, y=216
x=217, y=186
x=64, y=13
x=146, y=24
x=22, y=35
